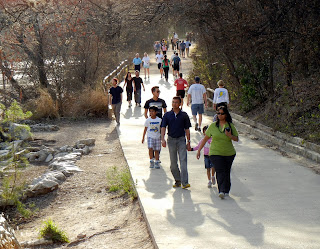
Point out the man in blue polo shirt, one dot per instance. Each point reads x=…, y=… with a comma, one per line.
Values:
x=178, y=123
x=137, y=62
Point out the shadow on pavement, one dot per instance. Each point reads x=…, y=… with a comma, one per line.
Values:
x=182, y=205
x=242, y=225
x=158, y=183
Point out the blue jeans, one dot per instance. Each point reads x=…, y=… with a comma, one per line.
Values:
x=177, y=146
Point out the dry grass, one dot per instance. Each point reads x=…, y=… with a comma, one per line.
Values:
x=89, y=103
x=43, y=106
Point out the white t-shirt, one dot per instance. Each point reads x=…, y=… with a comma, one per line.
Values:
x=146, y=61
x=159, y=58
x=220, y=95
x=197, y=91
x=188, y=44
x=153, y=125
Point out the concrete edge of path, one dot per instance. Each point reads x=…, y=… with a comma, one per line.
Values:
x=285, y=142
x=141, y=206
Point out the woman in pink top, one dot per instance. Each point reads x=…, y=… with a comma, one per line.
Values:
x=207, y=163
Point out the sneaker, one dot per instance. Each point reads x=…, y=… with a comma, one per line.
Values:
x=226, y=194
x=209, y=184
x=157, y=164
x=199, y=129
x=196, y=128
x=186, y=186
x=151, y=164
x=213, y=180
x=176, y=185
x=139, y=105
x=221, y=195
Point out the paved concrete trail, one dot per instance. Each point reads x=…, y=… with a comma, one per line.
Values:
x=274, y=202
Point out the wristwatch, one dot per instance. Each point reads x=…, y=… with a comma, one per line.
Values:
x=188, y=141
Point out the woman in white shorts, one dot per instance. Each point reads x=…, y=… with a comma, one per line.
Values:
x=146, y=64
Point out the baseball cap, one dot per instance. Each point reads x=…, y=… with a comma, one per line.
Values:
x=197, y=79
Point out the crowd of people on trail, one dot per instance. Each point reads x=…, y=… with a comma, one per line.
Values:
x=219, y=152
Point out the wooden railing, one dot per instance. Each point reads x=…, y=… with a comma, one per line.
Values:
x=210, y=93
x=119, y=73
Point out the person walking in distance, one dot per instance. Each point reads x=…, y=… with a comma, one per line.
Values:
x=155, y=101
x=115, y=98
x=188, y=45
x=146, y=64
x=221, y=96
x=176, y=65
x=159, y=59
x=222, y=152
x=183, y=48
x=178, y=124
x=152, y=128
x=129, y=89
x=197, y=93
x=171, y=60
x=137, y=82
x=181, y=84
x=166, y=67
x=137, y=62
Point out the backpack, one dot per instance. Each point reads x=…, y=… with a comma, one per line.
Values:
x=166, y=63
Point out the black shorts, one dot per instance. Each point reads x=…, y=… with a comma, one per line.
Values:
x=176, y=67
x=137, y=68
x=159, y=65
x=181, y=93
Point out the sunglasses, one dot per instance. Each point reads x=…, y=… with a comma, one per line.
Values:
x=158, y=91
x=219, y=113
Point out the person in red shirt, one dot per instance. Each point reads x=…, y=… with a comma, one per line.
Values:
x=181, y=84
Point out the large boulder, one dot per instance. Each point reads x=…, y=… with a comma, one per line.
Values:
x=8, y=239
x=20, y=131
x=46, y=183
x=88, y=142
x=65, y=166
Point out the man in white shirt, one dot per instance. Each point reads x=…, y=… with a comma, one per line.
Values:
x=198, y=94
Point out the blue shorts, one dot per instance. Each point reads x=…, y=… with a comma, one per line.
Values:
x=197, y=108
x=207, y=163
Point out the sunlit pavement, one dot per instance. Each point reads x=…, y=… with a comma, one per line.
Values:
x=273, y=203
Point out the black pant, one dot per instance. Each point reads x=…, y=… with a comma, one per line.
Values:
x=166, y=72
x=222, y=165
x=137, y=67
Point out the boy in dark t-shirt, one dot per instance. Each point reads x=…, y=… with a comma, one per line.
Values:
x=155, y=101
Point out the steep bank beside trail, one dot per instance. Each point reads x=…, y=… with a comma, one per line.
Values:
x=81, y=205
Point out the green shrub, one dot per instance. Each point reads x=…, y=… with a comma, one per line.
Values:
x=51, y=231
x=120, y=181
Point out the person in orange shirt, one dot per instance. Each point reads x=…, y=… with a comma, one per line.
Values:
x=181, y=84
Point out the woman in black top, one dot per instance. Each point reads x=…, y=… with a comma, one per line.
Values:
x=129, y=89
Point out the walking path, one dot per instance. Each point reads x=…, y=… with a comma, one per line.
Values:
x=274, y=202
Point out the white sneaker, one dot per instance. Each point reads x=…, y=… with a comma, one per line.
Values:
x=151, y=164
x=209, y=184
x=157, y=164
x=221, y=195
